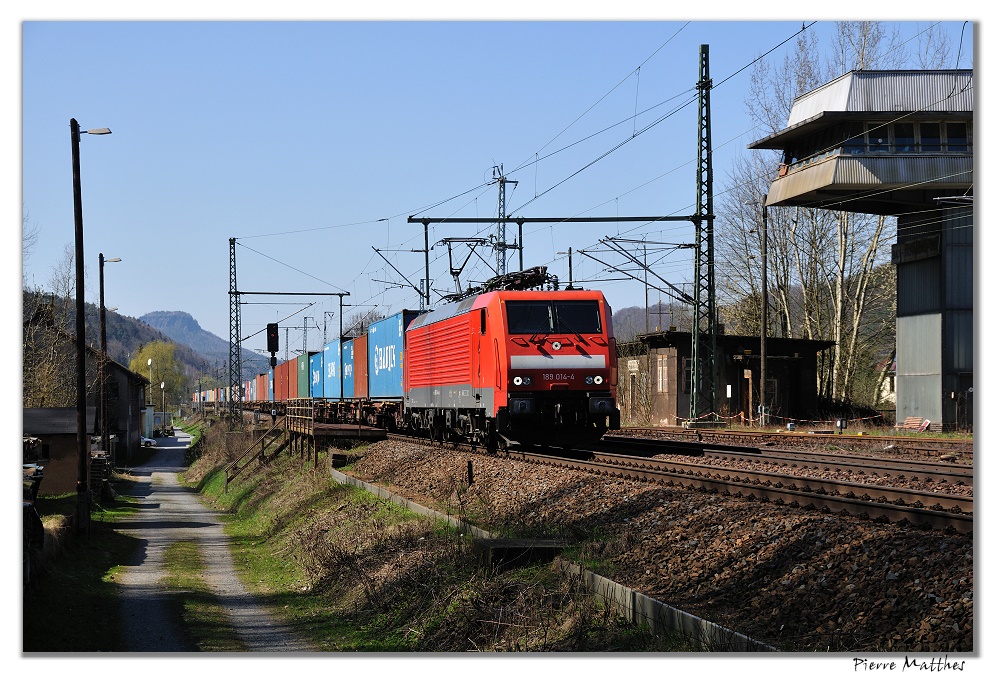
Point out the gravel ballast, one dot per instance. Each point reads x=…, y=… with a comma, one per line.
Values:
x=799, y=580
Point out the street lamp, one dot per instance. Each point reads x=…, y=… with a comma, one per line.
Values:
x=763, y=305
x=163, y=408
x=105, y=438
x=82, y=436
x=763, y=308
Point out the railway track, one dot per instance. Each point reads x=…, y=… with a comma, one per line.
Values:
x=927, y=471
x=866, y=501
x=885, y=504
x=913, y=446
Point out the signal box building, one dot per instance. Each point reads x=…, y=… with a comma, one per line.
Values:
x=900, y=143
x=654, y=387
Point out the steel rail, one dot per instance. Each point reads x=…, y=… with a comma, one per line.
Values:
x=928, y=471
x=865, y=509
x=884, y=494
x=902, y=442
x=934, y=471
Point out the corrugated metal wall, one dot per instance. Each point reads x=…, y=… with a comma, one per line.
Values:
x=957, y=235
x=918, y=367
x=918, y=287
x=884, y=91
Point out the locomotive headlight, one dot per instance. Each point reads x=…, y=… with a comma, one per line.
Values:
x=527, y=381
x=598, y=380
x=518, y=381
x=588, y=380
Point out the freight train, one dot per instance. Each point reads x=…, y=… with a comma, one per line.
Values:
x=527, y=366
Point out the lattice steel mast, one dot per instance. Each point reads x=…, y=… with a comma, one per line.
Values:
x=235, y=344
x=703, y=326
x=501, y=244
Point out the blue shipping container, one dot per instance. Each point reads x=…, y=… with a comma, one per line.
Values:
x=385, y=355
x=332, y=369
x=348, y=362
x=316, y=375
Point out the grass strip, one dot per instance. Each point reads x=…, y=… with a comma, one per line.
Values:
x=203, y=615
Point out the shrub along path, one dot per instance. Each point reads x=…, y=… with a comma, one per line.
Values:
x=170, y=513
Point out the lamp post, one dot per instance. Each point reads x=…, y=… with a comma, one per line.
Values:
x=105, y=438
x=763, y=308
x=82, y=435
x=163, y=408
x=149, y=400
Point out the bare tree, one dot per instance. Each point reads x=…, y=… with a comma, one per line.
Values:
x=29, y=236
x=861, y=45
x=822, y=264
x=933, y=48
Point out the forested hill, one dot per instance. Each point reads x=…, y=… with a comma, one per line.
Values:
x=198, y=351
x=182, y=328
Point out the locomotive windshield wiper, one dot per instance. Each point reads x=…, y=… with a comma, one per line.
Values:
x=535, y=334
x=566, y=325
x=545, y=330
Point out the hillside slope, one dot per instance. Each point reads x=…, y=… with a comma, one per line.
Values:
x=182, y=328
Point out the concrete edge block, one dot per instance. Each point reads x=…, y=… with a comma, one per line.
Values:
x=659, y=617
x=636, y=607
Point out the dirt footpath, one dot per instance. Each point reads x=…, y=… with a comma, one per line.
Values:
x=168, y=513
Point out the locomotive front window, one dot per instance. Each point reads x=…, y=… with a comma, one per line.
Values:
x=529, y=317
x=538, y=317
x=581, y=317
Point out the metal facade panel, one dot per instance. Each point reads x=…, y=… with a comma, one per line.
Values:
x=886, y=91
x=316, y=375
x=902, y=170
x=958, y=280
x=918, y=345
x=918, y=286
x=878, y=173
x=958, y=341
x=919, y=396
x=806, y=180
x=937, y=91
x=832, y=96
x=957, y=229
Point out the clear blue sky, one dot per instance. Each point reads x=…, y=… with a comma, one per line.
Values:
x=311, y=142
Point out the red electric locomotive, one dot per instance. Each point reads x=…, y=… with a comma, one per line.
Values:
x=537, y=367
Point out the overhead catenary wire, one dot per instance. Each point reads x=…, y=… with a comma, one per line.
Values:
x=538, y=159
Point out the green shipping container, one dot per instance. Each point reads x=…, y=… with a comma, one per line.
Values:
x=302, y=365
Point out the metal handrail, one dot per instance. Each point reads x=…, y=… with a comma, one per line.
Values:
x=233, y=469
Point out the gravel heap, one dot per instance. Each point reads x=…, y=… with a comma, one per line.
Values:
x=800, y=580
